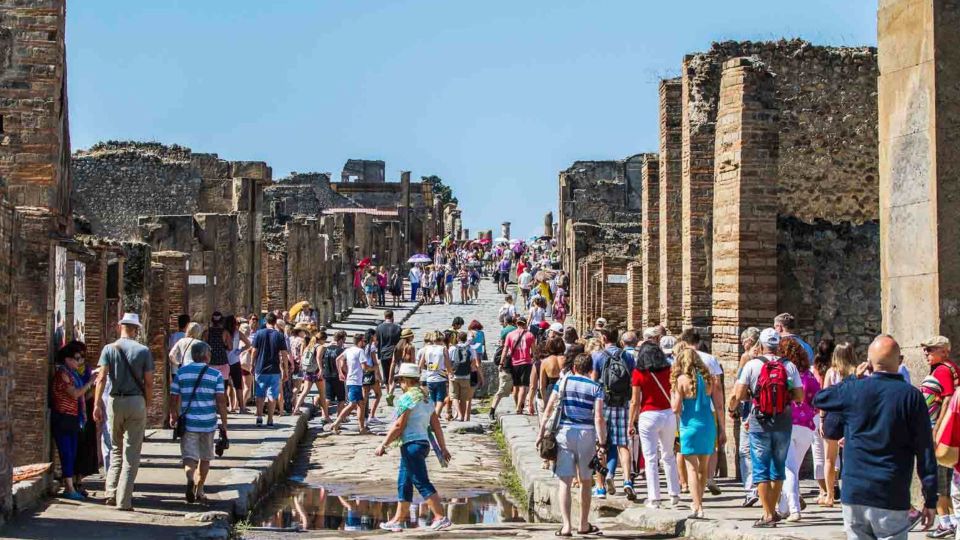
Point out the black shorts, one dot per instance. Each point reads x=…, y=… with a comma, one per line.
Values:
x=521, y=374
x=944, y=479
x=386, y=363
x=335, y=390
x=236, y=375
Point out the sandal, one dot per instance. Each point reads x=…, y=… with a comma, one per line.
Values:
x=764, y=524
x=594, y=530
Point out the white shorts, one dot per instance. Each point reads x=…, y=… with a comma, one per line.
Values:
x=576, y=448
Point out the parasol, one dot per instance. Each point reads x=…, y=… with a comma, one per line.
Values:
x=484, y=241
x=419, y=258
x=501, y=240
x=297, y=308
x=364, y=263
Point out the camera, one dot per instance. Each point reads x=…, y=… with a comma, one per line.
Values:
x=598, y=466
x=222, y=443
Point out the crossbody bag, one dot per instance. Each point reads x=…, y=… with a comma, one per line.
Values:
x=547, y=447
x=180, y=429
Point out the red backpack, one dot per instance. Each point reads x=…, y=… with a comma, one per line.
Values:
x=771, y=394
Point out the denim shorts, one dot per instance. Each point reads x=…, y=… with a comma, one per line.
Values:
x=354, y=393
x=768, y=455
x=267, y=386
x=438, y=391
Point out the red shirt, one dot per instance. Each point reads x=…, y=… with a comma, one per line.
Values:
x=62, y=402
x=944, y=376
x=653, y=399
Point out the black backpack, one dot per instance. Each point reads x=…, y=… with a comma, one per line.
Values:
x=461, y=361
x=615, y=380
x=329, y=366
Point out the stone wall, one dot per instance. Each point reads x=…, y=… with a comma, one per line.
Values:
x=7, y=353
x=829, y=279
x=670, y=259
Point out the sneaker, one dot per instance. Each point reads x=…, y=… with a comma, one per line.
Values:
x=441, y=524
x=653, y=505
x=675, y=501
x=629, y=491
x=392, y=526
x=73, y=496
x=915, y=516
x=600, y=493
x=259, y=420
x=713, y=487
x=793, y=518
x=611, y=487
x=941, y=532
x=750, y=499
x=493, y=415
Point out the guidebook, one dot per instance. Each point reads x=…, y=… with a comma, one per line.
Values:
x=436, y=448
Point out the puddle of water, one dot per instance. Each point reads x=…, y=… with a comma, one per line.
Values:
x=304, y=507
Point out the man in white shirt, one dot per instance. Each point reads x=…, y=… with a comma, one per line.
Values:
x=415, y=275
x=352, y=363
x=525, y=282
x=692, y=338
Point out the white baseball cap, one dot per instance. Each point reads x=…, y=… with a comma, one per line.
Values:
x=770, y=337
x=556, y=327
x=667, y=343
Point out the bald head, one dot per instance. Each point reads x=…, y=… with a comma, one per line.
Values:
x=884, y=354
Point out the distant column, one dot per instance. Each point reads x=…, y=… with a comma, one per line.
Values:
x=650, y=244
x=548, y=224
x=671, y=116
x=697, y=201
x=505, y=229
x=919, y=109
x=744, y=205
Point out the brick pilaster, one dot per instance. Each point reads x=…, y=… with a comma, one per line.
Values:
x=635, y=293
x=671, y=117
x=650, y=246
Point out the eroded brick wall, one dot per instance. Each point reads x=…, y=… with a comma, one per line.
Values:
x=157, y=333
x=649, y=278
x=635, y=296
x=671, y=163
x=7, y=353
x=612, y=285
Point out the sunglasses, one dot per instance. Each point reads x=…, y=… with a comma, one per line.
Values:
x=928, y=350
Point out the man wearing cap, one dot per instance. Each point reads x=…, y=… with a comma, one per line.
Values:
x=769, y=437
x=129, y=367
x=937, y=389
x=667, y=343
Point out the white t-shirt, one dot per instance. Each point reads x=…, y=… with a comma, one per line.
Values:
x=749, y=375
x=525, y=280
x=713, y=365
x=355, y=358
x=435, y=367
x=415, y=274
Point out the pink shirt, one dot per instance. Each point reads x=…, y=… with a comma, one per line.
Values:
x=523, y=351
x=804, y=412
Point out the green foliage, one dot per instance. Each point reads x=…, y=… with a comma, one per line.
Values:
x=440, y=190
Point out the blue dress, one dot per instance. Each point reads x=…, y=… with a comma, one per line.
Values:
x=698, y=430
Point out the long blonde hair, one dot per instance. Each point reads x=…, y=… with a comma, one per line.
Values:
x=688, y=363
x=844, y=361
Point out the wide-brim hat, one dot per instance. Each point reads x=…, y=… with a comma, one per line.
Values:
x=131, y=319
x=406, y=333
x=409, y=370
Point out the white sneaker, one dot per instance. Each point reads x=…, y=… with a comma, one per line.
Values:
x=675, y=501
x=441, y=524
x=653, y=505
x=793, y=518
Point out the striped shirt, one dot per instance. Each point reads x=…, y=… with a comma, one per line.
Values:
x=578, y=399
x=202, y=416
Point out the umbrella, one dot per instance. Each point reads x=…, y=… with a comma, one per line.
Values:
x=364, y=263
x=297, y=308
x=516, y=241
x=501, y=240
x=419, y=258
x=484, y=241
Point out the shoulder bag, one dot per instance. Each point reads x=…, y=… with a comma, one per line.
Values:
x=547, y=447
x=180, y=429
x=133, y=375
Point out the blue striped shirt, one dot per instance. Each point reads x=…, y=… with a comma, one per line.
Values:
x=579, y=397
x=202, y=416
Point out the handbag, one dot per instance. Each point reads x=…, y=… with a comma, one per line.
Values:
x=547, y=447
x=180, y=429
x=947, y=455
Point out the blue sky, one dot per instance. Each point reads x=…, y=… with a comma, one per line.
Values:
x=495, y=97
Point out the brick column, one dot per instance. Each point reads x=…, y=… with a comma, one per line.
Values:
x=175, y=263
x=671, y=116
x=613, y=290
x=635, y=293
x=156, y=338
x=744, y=205
x=919, y=163
x=33, y=329
x=650, y=246
x=95, y=295
x=696, y=185
x=7, y=354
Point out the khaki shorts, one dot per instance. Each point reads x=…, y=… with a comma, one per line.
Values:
x=197, y=446
x=461, y=389
x=506, y=384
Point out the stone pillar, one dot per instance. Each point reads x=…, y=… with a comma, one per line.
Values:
x=670, y=207
x=635, y=296
x=8, y=356
x=744, y=206
x=650, y=243
x=613, y=290
x=919, y=109
x=505, y=229
x=465, y=234
x=548, y=224
x=156, y=337
x=696, y=185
